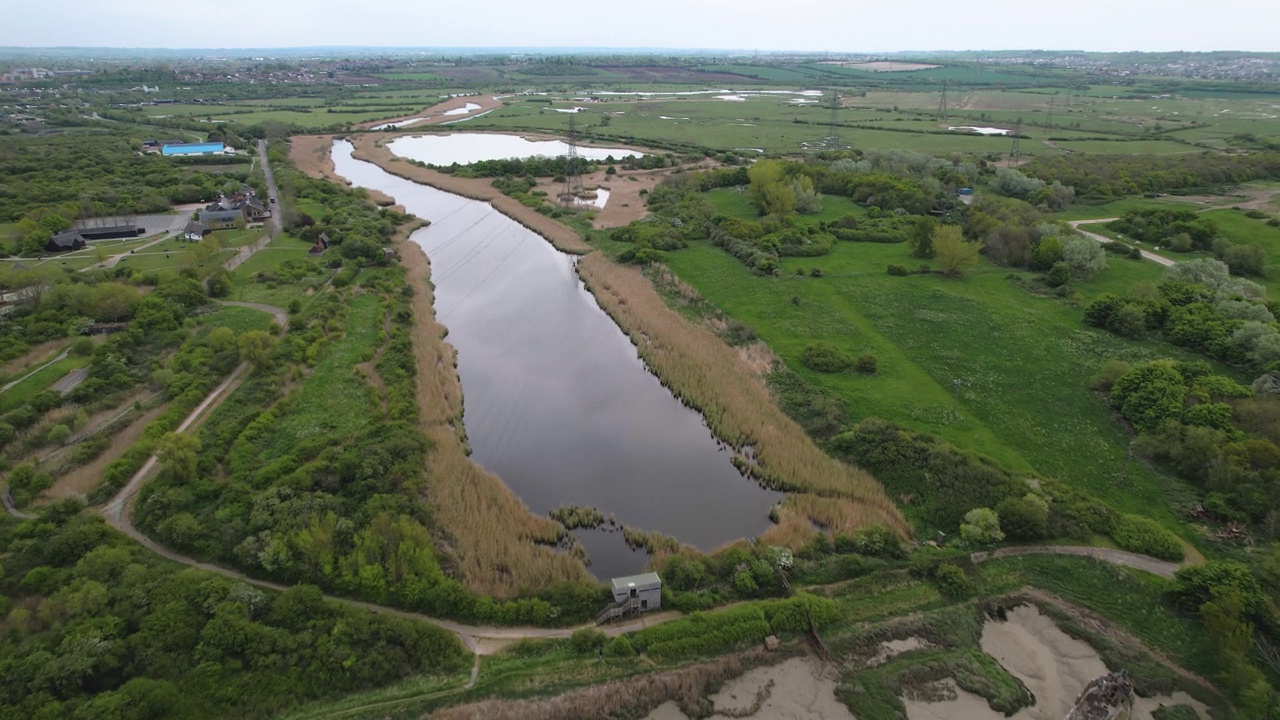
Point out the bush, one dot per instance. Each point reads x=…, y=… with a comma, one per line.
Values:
x=898, y=271
x=1139, y=534
x=825, y=357
x=587, y=640
x=1106, y=377
x=867, y=364
x=981, y=526
x=1058, y=275
x=620, y=647
x=58, y=434
x=952, y=581
x=1024, y=518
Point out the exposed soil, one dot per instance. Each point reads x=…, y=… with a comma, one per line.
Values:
x=626, y=204
x=1054, y=666
x=797, y=688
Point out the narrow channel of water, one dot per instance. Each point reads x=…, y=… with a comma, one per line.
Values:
x=558, y=404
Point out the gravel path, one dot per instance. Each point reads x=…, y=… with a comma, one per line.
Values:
x=1167, y=262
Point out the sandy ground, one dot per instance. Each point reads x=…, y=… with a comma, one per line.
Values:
x=435, y=114
x=801, y=688
x=1054, y=666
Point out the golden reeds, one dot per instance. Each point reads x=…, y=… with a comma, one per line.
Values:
x=501, y=546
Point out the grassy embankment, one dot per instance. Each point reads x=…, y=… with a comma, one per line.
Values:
x=1023, y=359
x=704, y=372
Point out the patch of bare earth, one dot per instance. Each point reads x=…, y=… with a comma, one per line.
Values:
x=626, y=203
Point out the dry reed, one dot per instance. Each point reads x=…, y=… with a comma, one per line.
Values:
x=312, y=154
x=634, y=697
x=501, y=546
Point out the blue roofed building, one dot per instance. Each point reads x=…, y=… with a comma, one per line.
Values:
x=212, y=148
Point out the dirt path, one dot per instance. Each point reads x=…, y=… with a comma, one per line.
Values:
x=1115, y=557
x=282, y=317
x=83, y=480
x=1167, y=262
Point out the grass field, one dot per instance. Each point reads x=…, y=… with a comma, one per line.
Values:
x=328, y=403
x=239, y=319
x=1023, y=360
x=39, y=381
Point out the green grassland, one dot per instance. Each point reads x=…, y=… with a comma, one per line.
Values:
x=1023, y=359
x=39, y=381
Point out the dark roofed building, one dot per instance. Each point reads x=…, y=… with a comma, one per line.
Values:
x=322, y=244
x=65, y=241
x=110, y=232
x=221, y=219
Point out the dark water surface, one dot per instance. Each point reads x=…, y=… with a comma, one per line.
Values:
x=557, y=402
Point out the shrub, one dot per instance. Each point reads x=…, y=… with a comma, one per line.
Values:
x=82, y=347
x=620, y=647
x=898, y=271
x=867, y=364
x=1024, y=518
x=58, y=434
x=1139, y=534
x=1058, y=275
x=587, y=640
x=825, y=357
x=1106, y=377
x=981, y=526
x=952, y=581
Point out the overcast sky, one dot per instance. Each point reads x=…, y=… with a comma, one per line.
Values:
x=806, y=25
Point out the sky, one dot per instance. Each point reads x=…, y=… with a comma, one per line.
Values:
x=801, y=25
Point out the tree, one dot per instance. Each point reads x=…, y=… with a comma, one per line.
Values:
x=981, y=526
x=952, y=252
x=921, y=240
x=177, y=454
x=1084, y=257
x=256, y=347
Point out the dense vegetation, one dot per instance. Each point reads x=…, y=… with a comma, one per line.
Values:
x=95, y=626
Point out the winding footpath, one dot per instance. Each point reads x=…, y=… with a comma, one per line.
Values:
x=1167, y=262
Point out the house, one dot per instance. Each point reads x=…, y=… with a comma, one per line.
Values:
x=220, y=219
x=388, y=254
x=322, y=244
x=65, y=241
x=253, y=209
x=192, y=149
x=633, y=594
x=195, y=231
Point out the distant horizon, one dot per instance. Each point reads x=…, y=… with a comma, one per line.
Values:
x=802, y=26
x=597, y=50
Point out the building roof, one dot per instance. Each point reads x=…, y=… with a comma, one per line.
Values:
x=192, y=148
x=622, y=583
x=66, y=239
x=196, y=227
x=219, y=215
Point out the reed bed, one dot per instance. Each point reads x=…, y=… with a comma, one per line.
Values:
x=502, y=548
x=313, y=155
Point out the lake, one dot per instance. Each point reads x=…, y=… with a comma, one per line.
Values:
x=463, y=148
x=558, y=404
